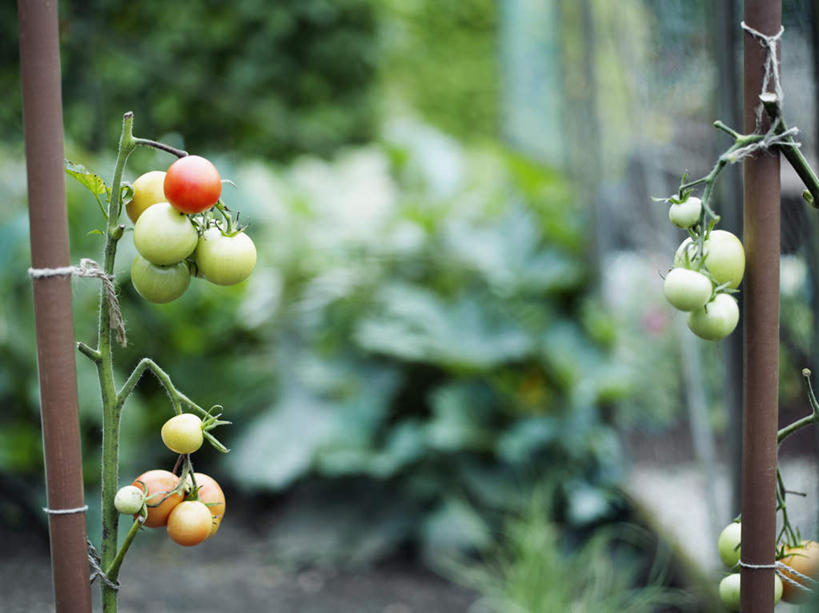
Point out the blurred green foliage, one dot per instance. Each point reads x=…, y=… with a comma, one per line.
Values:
x=535, y=568
x=273, y=79
x=441, y=59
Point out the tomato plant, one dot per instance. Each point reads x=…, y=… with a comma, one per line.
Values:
x=162, y=494
x=183, y=433
x=159, y=284
x=189, y=523
x=148, y=190
x=687, y=289
x=223, y=259
x=192, y=184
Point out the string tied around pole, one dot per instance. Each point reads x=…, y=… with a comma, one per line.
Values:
x=771, y=65
x=786, y=573
x=88, y=268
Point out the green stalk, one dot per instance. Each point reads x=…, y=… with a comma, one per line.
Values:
x=105, y=371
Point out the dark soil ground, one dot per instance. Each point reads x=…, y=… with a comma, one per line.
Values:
x=233, y=572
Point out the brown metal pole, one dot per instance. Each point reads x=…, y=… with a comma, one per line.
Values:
x=43, y=122
x=761, y=315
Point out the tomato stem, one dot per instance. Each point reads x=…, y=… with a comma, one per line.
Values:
x=112, y=572
x=144, y=142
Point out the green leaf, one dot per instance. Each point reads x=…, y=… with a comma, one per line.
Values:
x=92, y=182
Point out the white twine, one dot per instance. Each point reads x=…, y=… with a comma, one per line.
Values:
x=94, y=561
x=90, y=269
x=771, y=65
x=770, y=139
x=781, y=569
x=81, y=509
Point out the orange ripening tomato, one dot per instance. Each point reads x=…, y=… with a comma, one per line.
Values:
x=189, y=523
x=158, y=485
x=804, y=560
x=212, y=496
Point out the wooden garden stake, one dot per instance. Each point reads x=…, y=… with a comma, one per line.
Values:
x=761, y=321
x=43, y=122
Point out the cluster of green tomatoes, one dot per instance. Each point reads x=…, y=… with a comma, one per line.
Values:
x=176, y=232
x=708, y=268
x=191, y=505
x=801, y=562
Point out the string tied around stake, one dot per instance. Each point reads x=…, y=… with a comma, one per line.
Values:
x=94, y=562
x=786, y=573
x=771, y=64
x=88, y=268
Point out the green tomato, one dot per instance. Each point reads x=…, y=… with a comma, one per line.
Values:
x=686, y=214
x=129, y=500
x=728, y=544
x=724, y=257
x=715, y=320
x=225, y=260
x=159, y=284
x=183, y=433
x=164, y=236
x=686, y=289
x=729, y=591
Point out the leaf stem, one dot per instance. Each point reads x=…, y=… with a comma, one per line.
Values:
x=144, y=142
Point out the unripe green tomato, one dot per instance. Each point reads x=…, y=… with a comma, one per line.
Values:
x=724, y=257
x=715, y=320
x=129, y=500
x=225, y=260
x=163, y=235
x=148, y=190
x=183, y=433
x=728, y=544
x=159, y=284
x=729, y=591
x=686, y=289
x=686, y=214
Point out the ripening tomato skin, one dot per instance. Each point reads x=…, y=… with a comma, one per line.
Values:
x=192, y=184
x=225, y=260
x=159, y=284
x=189, y=523
x=212, y=496
x=148, y=190
x=157, y=484
x=804, y=560
x=163, y=235
x=183, y=433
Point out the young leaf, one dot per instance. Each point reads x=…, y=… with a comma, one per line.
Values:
x=91, y=181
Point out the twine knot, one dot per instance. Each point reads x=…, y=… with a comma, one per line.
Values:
x=88, y=268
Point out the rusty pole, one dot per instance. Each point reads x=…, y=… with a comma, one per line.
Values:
x=48, y=218
x=761, y=316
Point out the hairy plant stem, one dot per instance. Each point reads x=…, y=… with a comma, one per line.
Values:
x=112, y=572
x=111, y=409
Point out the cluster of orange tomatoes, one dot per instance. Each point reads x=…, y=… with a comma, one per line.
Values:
x=176, y=233
x=191, y=510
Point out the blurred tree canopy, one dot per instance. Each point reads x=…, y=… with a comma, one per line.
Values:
x=268, y=78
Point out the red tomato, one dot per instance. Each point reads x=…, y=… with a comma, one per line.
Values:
x=192, y=184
